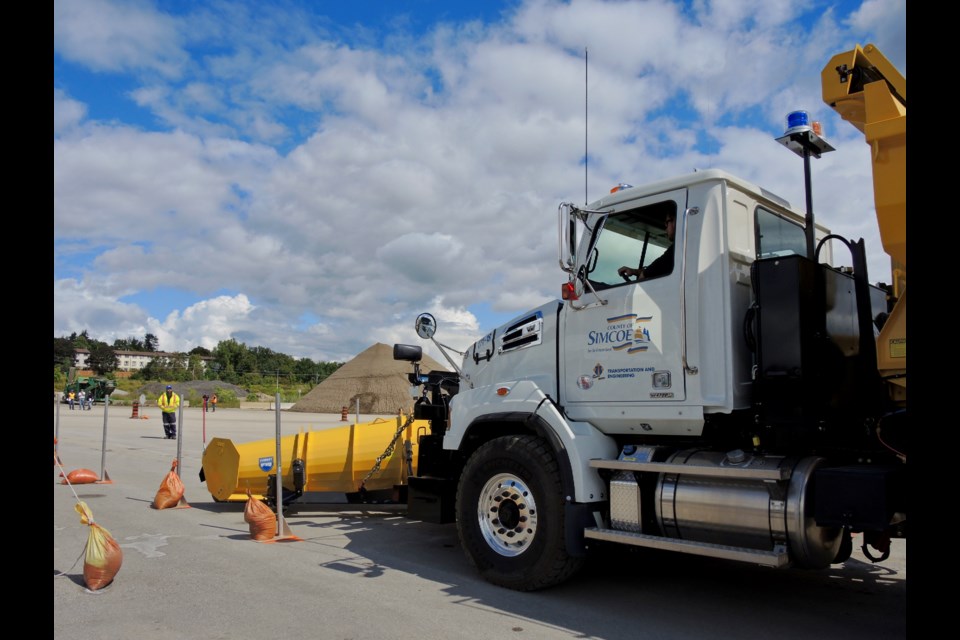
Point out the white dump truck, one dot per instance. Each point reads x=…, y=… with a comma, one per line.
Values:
x=728, y=404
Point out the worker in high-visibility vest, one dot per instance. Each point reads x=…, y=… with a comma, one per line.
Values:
x=169, y=402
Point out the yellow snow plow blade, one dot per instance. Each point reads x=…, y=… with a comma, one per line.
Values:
x=334, y=460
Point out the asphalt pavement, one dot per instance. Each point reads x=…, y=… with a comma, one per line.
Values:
x=356, y=572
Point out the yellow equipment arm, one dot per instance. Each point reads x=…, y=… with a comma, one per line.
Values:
x=868, y=92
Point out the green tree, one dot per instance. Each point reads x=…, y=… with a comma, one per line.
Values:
x=81, y=340
x=305, y=370
x=313, y=373
x=326, y=369
x=194, y=366
x=234, y=360
x=153, y=370
x=103, y=359
x=230, y=361
x=63, y=353
x=128, y=344
x=169, y=369
x=270, y=364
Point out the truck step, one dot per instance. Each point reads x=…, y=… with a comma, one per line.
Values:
x=776, y=558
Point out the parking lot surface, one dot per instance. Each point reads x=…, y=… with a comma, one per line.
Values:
x=357, y=572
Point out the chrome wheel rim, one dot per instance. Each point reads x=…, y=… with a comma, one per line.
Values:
x=507, y=514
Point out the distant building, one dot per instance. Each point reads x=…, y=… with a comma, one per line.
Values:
x=134, y=360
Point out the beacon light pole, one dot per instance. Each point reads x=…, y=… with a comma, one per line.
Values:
x=804, y=139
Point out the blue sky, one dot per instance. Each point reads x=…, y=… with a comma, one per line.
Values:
x=308, y=176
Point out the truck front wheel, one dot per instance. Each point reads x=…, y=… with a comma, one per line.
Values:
x=510, y=514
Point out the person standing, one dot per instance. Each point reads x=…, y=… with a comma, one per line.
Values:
x=90, y=401
x=213, y=402
x=70, y=398
x=169, y=402
x=82, y=398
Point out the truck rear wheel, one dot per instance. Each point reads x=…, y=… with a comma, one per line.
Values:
x=510, y=514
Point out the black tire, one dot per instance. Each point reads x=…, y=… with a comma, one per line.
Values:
x=510, y=514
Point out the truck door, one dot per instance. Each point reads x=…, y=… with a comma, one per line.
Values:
x=627, y=352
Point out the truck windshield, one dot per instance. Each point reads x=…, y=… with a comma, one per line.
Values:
x=627, y=238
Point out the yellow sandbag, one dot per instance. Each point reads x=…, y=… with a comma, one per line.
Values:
x=171, y=490
x=103, y=555
x=80, y=476
x=262, y=520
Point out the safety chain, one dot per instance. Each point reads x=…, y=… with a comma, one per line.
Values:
x=387, y=453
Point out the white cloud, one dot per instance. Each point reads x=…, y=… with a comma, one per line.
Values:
x=67, y=113
x=423, y=178
x=109, y=35
x=886, y=20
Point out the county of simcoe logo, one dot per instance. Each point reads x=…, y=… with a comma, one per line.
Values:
x=584, y=382
x=625, y=333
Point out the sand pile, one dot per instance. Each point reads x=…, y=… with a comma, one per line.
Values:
x=374, y=377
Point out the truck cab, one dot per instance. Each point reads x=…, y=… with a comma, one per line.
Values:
x=671, y=346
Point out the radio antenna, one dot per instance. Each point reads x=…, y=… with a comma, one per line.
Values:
x=586, y=102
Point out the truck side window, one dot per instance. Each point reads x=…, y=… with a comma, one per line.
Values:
x=629, y=237
x=777, y=236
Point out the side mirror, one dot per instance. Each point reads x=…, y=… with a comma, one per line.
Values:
x=568, y=237
x=426, y=325
x=407, y=352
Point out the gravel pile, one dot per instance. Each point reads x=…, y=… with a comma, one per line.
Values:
x=373, y=379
